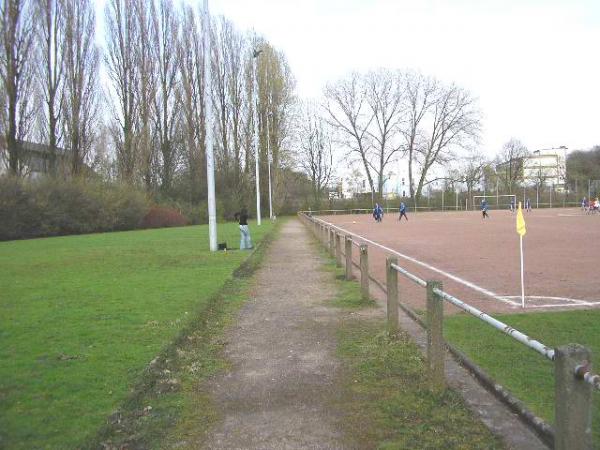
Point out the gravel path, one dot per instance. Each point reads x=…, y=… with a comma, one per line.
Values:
x=282, y=383
x=280, y=391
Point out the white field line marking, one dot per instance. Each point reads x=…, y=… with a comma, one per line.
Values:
x=564, y=305
x=546, y=297
x=434, y=269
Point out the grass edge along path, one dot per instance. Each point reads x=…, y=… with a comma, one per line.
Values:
x=387, y=403
x=526, y=374
x=168, y=404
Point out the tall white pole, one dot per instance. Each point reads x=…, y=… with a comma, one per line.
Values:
x=522, y=276
x=255, y=118
x=208, y=136
x=269, y=169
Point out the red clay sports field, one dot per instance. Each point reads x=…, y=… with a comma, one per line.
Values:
x=478, y=260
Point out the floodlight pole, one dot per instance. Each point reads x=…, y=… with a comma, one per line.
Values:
x=208, y=134
x=269, y=168
x=256, y=150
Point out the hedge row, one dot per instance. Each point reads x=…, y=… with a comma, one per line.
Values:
x=51, y=207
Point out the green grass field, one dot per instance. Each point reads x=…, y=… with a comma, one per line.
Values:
x=528, y=375
x=82, y=316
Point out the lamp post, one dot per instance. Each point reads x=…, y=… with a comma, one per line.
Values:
x=255, y=55
x=269, y=162
x=208, y=135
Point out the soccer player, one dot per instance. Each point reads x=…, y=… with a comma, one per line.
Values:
x=377, y=212
x=484, y=208
x=528, y=205
x=512, y=204
x=402, y=211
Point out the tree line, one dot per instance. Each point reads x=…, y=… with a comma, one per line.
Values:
x=382, y=116
x=134, y=112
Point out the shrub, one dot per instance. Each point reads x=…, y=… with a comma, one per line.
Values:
x=128, y=207
x=161, y=216
x=50, y=207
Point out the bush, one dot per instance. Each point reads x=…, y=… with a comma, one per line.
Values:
x=51, y=207
x=161, y=216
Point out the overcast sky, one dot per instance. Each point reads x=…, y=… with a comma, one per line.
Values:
x=533, y=64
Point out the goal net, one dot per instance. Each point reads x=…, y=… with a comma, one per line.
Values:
x=503, y=201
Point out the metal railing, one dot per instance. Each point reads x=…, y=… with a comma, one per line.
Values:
x=574, y=379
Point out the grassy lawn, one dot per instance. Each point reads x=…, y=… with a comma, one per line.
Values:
x=82, y=316
x=388, y=404
x=528, y=375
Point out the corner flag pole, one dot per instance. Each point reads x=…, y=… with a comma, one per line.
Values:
x=522, y=276
x=521, y=230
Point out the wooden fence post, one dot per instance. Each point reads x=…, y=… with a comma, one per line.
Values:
x=331, y=242
x=338, y=249
x=364, y=272
x=392, y=295
x=349, y=258
x=573, y=400
x=435, y=336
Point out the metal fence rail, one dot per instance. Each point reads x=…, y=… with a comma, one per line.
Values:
x=409, y=275
x=583, y=372
x=574, y=380
x=515, y=334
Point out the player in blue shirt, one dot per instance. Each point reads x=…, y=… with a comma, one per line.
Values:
x=484, y=208
x=377, y=212
x=402, y=211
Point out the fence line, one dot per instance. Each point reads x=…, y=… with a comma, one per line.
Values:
x=574, y=379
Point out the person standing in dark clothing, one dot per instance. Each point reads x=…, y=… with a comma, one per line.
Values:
x=245, y=239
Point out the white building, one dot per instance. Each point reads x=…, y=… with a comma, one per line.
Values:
x=546, y=166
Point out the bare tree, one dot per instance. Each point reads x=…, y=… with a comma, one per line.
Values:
x=122, y=41
x=223, y=34
x=349, y=113
x=236, y=48
x=81, y=81
x=314, y=153
x=419, y=91
x=145, y=17
x=276, y=100
x=470, y=170
x=510, y=163
x=166, y=104
x=50, y=36
x=449, y=120
x=385, y=96
x=190, y=54
x=16, y=78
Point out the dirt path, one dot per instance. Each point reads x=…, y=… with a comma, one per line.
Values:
x=282, y=380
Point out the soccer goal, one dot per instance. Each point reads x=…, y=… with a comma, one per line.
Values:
x=503, y=201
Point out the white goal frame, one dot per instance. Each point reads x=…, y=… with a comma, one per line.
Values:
x=494, y=198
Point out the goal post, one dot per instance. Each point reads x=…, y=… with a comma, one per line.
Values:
x=502, y=201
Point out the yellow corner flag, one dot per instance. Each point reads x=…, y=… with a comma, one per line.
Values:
x=520, y=222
